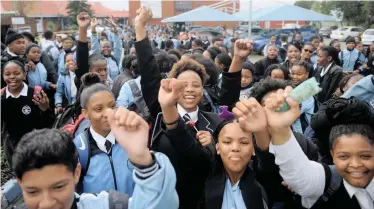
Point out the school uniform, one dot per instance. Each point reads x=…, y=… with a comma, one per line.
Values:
x=66, y=88
x=38, y=77
x=262, y=65
x=61, y=60
x=329, y=79
x=350, y=59
x=19, y=115
x=309, y=180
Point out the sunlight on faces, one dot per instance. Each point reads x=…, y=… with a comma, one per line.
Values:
x=293, y=54
x=247, y=78
x=18, y=46
x=353, y=158
x=14, y=76
x=106, y=47
x=96, y=106
x=34, y=54
x=272, y=52
x=235, y=147
x=193, y=91
x=100, y=67
x=52, y=186
x=299, y=74
x=277, y=74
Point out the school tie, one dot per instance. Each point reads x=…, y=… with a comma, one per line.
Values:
x=108, y=145
x=364, y=199
x=186, y=118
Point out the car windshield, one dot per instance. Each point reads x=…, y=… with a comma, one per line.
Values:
x=369, y=32
x=343, y=29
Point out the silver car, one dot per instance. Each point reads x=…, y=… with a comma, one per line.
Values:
x=325, y=31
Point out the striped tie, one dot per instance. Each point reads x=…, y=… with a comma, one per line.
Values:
x=108, y=145
x=186, y=118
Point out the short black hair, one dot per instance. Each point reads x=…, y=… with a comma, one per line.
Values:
x=261, y=88
x=213, y=51
x=164, y=62
x=88, y=92
x=284, y=38
x=296, y=44
x=198, y=42
x=224, y=59
x=219, y=128
x=331, y=51
x=350, y=129
x=249, y=66
x=311, y=39
x=16, y=62
x=169, y=44
x=29, y=36
x=210, y=69
x=48, y=34
x=176, y=52
x=44, y=147
x=93, y=58
x=277, y=66
x=309, y=44
x=302, y=64
x=126, y=62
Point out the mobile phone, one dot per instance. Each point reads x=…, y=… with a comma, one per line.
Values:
x=37, y=90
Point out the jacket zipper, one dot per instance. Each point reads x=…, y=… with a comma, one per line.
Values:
x=113, y=171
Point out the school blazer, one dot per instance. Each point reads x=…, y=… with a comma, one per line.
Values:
x=329, y=82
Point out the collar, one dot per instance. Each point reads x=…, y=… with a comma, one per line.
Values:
x=100, y=140
x=325, y=70
x=193, y=115
x=22, y=93
x=11, y=53
x=352, y=190
x=72, y=74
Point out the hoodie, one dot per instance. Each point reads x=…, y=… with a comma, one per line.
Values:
x=363, y=90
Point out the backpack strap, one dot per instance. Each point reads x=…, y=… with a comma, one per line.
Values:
x=49, y=48
x=139, y=100
x=82, y=145
x=212, y=105
x=118, y=200
x=36, y=88
x=333, y=182
x=114, y=58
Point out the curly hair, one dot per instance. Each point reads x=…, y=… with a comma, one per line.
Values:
x=188, y=65
x=264, y=86
x=277, y=66
x=164, y=62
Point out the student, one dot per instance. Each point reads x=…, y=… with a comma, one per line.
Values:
x=350, y=57
x=315, y=41
x=273, y=40
x=336, y=44
x=49, y=45
x=126, y=74
x=293, y=54
x=363, y=90
x=307, y=53
x=277, y=71
x=299, y=74
x=47, y=170
x=37, y=76
x=223, y=62
x=263, y=64
x=346, y=83
x=67, y=48
x=347, y=185
x=211, y=53
x=105, y=48
x=283, y=48
x=192, y=158
x=360, y=47
x=247, y=80
x=23, y=108
x=328, y=74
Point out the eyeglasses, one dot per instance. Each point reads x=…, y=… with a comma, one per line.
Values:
x=307, y=50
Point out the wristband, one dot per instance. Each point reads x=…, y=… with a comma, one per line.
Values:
x=172, y=123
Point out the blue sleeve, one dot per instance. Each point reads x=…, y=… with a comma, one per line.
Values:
x=117, y=47
x=44, y=78
x=59, y=91
x=125, y=97
x=157, y=191
x=95, y=45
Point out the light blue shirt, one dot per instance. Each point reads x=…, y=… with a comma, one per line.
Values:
x=38, y=77
x=307, y=107
x=125, y=97
x=232, y=197
x=350, y=58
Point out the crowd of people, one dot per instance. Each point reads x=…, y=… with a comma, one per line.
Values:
x=180, y=122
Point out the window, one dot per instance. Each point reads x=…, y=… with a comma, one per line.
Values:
x=183, y=6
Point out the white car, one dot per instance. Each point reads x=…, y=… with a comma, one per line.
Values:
x=368, y=37
x=342, y=33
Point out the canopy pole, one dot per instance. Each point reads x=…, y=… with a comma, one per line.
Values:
x=250, y=19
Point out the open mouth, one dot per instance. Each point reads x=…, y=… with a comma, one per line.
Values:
x=358, y=174
x=189, y=98
x=235, y=158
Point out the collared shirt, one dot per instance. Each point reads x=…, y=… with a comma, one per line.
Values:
x=193, y=115
x=232, y=196
x=11, y=53
x=73, y=88
x=54, y=52
x=22, y=93
x=325, y=70
x=365, y=201
x=100, y=140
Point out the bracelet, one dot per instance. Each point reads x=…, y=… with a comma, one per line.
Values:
x=172, y=123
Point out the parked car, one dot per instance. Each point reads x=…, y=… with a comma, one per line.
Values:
x=368, y=37
x=291, y=26
x=343, y=33
x=325, y=31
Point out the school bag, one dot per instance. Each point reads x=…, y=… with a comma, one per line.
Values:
x=67, y=116
x=84, y=150
x=47, y=50
x=334, y=182
x=210, y=99
x=139, y=106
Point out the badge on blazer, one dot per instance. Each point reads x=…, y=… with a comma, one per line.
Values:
x=26, y=110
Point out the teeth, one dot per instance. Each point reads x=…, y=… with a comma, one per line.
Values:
x=357, y=174
x=189, y=97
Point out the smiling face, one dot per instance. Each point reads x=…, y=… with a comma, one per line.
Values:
x=96, y=106
x=14, y=76
x=247, y=78
x=193, y=92
x=52, y=186
x=235, y=148
x=353, y=158
x=70, y=62
x=299, y=74
x=106, y=48
x=293, y=54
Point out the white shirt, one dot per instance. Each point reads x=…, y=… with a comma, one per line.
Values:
x=53, y=51
x=307, y=178
x=73, y=88
x=325, y=70
x=11, y=53
x=193, y=115
x=365, y=197
x=100, y=140
x=22, y=93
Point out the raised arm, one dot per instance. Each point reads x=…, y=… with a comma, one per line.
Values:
x=147, y=66
x=95, y=45
x=83, y=20
x=117, y=45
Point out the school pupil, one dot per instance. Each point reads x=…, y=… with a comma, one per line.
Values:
x=247, y=80
x=270, y=59
x=47, y=169
x=97, y=63
x=347, y=185
x=67, y=48
x=37, y=76
x=277, y=71
x=22, y=106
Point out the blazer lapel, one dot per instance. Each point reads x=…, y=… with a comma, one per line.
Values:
x=204, y=124
x=251, y=192
x=214, y=190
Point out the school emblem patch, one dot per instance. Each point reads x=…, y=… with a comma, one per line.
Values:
x=26, y=110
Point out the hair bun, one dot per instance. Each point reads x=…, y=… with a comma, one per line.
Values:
x=89, y=79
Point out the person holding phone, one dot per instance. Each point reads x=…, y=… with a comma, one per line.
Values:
x=23, y=108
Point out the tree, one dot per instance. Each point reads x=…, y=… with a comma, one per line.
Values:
x=352, y=12
x=75, y=7
x=304, y=4
x=324, y=7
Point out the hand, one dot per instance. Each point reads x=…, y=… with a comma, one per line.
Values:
x=251, y=115
x=205, y=138
x=243, y=48
x=364, y=65
x=279, y=122
x=131, y=132
x=31, y=66
x=94, y=22
x=288, y=187
x=356, y=71
x=170, y=91
x=41, y=99
x=111, y=21
x=58, y=110
x=143, y=15
x=52, y=86
x=83, y=20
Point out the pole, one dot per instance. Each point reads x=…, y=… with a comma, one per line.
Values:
x=250, y=19
x=41, y=16
x=14, y=8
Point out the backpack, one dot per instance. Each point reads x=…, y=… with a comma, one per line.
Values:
x=84, y=150
x=139, y=106
x=66, y=117
x=214, y=106
x=47, y=50
x=334, y=182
